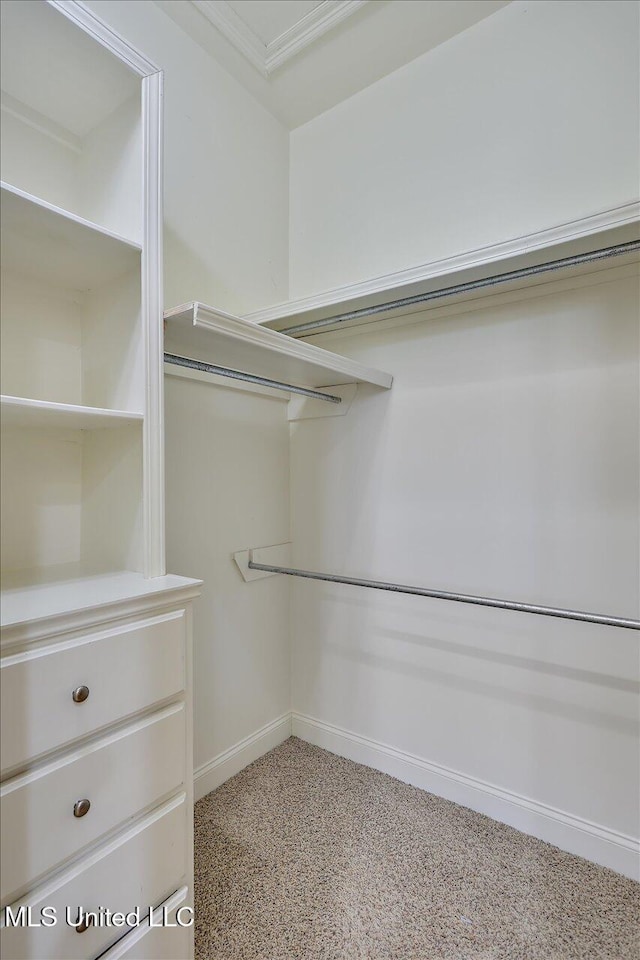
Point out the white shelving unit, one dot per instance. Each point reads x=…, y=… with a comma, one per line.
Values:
x=81, y=327
x=85, y=603
x=203, y=333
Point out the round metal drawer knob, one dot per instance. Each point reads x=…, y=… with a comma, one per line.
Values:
x=83, y=923
x=80, y=694
x=81, y=808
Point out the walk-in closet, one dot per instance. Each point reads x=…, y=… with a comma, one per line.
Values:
x=320, y=480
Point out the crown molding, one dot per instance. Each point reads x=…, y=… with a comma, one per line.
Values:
x=326, y=16
x=267, y=58
x=230, y=25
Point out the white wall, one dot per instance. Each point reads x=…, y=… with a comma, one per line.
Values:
x=226, y=171
x=524, y=121
x=225, y=233
x=504, y=462
x=227, y=476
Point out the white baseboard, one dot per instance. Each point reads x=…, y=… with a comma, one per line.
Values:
x=573, y=834
x=212, y=774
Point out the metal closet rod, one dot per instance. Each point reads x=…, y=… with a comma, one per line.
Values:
x=248, y=377
x=604, y=253
x=457, y=597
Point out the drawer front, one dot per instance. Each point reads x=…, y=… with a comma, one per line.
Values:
x=125, y=670
x=137, y=869
x=170, y=942
x=120, y=775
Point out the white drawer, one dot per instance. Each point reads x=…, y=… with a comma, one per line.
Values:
x=120, y=775
x=159, y=942
x=125, y=669
x=137, y=869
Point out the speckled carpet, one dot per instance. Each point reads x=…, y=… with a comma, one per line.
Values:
x=306, y=856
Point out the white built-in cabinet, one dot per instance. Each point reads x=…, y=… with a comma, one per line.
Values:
x=96, y=792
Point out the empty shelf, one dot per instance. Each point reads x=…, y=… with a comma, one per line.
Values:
x=41, y=240
x=21, y=412
x=203, y=333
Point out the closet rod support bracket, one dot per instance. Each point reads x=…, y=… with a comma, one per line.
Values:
x=279, y=554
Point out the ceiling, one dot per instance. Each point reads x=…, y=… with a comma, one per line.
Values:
x=302, y=57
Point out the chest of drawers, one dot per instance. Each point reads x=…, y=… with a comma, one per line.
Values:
x=96, y=797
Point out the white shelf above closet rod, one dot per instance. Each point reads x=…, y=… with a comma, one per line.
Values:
x=415, y=289
x=495, y=280
x=239, y=348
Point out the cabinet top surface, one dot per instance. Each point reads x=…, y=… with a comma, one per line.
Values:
x=42, y=601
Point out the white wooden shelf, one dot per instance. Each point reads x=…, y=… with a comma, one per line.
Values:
x=22, y=412
x=618, y=226
x=202, y=333
x=40, y=239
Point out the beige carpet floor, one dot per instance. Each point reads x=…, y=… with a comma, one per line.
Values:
x=307, y=856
